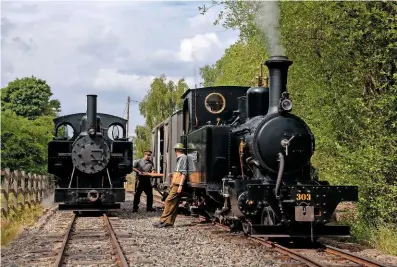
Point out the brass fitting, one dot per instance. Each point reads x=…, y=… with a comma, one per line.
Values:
x=242, y=146
x=261, y=80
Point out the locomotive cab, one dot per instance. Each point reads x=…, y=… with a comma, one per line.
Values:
x=210, y=105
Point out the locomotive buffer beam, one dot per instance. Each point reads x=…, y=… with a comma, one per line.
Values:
x=306, y=209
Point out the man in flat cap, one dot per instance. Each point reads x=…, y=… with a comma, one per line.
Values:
x=171, y=204
x=142, y=169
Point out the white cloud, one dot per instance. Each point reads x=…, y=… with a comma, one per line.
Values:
x=206, y=20
x=198, y=47
x=110, y=79
x=113, y=49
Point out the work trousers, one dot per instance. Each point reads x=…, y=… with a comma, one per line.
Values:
x=171, y=206
x=143, y=185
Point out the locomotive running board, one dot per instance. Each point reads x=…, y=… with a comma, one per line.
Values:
x=89, y=207
x=300, y=231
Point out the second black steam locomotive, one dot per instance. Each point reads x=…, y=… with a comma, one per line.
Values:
x=250, y=160
x=90, y=157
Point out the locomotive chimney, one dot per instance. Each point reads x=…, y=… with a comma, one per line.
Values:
x=91, y=114
x=278, y=72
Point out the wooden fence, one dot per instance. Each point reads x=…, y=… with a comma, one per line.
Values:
x=30, y=188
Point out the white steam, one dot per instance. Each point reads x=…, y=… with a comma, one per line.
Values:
x=267, y=20
x=48, y=201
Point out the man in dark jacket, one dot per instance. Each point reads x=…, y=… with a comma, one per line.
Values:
x=142, y=168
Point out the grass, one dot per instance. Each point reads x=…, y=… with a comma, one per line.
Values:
x=13, y=224
x=15, y=221
x=380, y=236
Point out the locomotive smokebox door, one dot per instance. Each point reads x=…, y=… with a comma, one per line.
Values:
x=304, y=213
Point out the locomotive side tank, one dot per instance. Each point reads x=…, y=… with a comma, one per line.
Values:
x=90, y=164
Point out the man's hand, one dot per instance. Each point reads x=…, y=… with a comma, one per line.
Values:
x=179, y=189
x=170, y=175
x=153, y=171
x=137, y=171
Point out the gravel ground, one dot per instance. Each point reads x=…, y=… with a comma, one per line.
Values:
x=188, y=243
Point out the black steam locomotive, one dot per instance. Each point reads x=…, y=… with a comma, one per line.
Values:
x=90, y=159
x=250, y=160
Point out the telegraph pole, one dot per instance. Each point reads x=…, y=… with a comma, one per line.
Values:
x=127, y=110
x=128, y=114
x=194, y=70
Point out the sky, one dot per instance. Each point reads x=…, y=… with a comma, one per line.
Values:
x=112, y=49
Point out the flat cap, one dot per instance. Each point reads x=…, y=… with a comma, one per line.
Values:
x=148, y=151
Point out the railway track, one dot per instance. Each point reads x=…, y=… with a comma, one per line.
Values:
x=90, y=241
x=318, y=256
x=322, y=255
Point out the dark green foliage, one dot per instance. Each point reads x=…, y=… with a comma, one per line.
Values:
x=24, y=142
x=26, y=124
x=343, y=83
x=159, y=103
x=239, y=66
x=142, y=140
x=29, y=97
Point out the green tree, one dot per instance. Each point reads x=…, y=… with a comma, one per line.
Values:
x=162, y=99
x=24, y=142
x=343, y=83
x=142, y=140
x=29, y=97
x=209, y=74
x=238, y=66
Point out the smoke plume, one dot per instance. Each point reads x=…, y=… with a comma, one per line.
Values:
x=267, y=20
x=48, y=201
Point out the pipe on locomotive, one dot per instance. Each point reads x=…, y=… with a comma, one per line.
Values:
x=91, y=114
x=278, y=73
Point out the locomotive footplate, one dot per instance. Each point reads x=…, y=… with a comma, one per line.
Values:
x=301, y=230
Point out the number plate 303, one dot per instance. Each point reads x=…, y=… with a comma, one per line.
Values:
x=303, y=197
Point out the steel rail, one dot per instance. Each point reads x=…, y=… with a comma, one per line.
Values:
x=351, y=257
x=61, y=253
x=290, y=252
x=283, y=250
x=121, y=260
